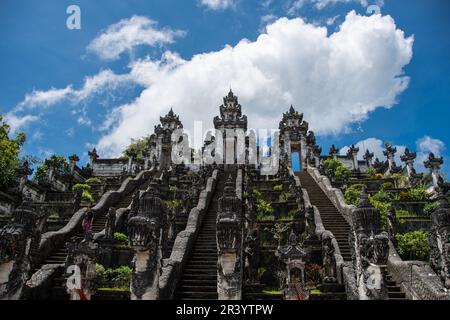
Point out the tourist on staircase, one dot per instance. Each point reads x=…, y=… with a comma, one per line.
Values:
x=88, y=217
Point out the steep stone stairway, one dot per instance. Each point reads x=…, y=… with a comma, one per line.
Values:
x=394, y=290
x=332, y=220
x=199, y=280
x=59, y=255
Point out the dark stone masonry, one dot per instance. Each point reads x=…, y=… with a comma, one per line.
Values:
x=229, y=222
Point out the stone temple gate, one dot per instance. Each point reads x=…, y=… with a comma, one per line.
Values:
x=143, y=227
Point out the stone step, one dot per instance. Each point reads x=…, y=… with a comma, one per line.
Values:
x=199, y=282
x=189, y=295
x=202, y=277
x=393, y=289
x=396, y=295
x=198, y=288
x=209, y=266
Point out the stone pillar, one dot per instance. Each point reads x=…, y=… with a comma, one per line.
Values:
x=80, y=264
x=73, y=162
x=370, y=246
x=145, y=230
x=353, y=153
x=229, y=244
x=92, y=156
x=316, y=152
x=390, y=154
x=439, y=238
x=22, y=173
x=130, y=165
x=334, y=152
x=368, y=156
x=434, y=164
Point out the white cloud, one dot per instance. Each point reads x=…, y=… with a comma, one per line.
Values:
x=44, y=98
x=295, y=5
x=428, y=144
x=17, y=122
x=104, y=81
x=377, y=147
x=129, y=33
x=218, y=4
x=336, y=79
x=424, y=146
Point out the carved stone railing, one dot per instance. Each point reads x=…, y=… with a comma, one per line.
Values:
x=184, y=242
x=54, y=239
x=320, y=231
x=334, y=194
x=344, y=272
x=416, y=278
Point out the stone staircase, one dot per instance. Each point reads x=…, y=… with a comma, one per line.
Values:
x=58, y=291
x=199, y=280
x=332, y=220
x=394, y=290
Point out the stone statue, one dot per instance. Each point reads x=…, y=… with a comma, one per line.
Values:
x=145, y=229
x=229, y=244
x=18, y=241
x=80, y=265
x=370, y=246
x=328, y=259
x=310, y=223
x=251, y=253
x=110, y=225
x=439, y=238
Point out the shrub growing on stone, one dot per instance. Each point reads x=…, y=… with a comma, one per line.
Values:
x=342, y=173
x=413, y=245
x=121, y=238
x=278, y=187
x=414, y=194
x=429, y=208
x=353, y=194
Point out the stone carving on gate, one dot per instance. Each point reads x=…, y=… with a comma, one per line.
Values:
x=19, y=241
x=370, y=250
x=439, y=238
x=229, y=244
x=145, y=229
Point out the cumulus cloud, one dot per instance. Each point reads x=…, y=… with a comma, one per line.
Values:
x=424, y=146
x=428, y=144
x=295, y=5
x=335, y=79
x=218, y=4
x=377, y=147
x=125, y=35
x=104, y=81
x=17, y=122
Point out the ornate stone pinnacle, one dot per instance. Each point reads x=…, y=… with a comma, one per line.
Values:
x=364, y=200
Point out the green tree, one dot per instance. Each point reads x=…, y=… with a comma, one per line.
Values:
x=137, y=149
x=9, y=154
x=59, y=163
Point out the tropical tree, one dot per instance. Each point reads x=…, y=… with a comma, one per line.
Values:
x=9, y=154
x=137, y=149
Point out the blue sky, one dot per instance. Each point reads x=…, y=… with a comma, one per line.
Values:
x=39, y=54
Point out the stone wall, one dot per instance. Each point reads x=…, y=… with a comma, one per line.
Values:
x=109, y=167
x=173, y=266
x=416, y=278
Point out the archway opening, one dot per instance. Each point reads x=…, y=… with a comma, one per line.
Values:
x=295, y=161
